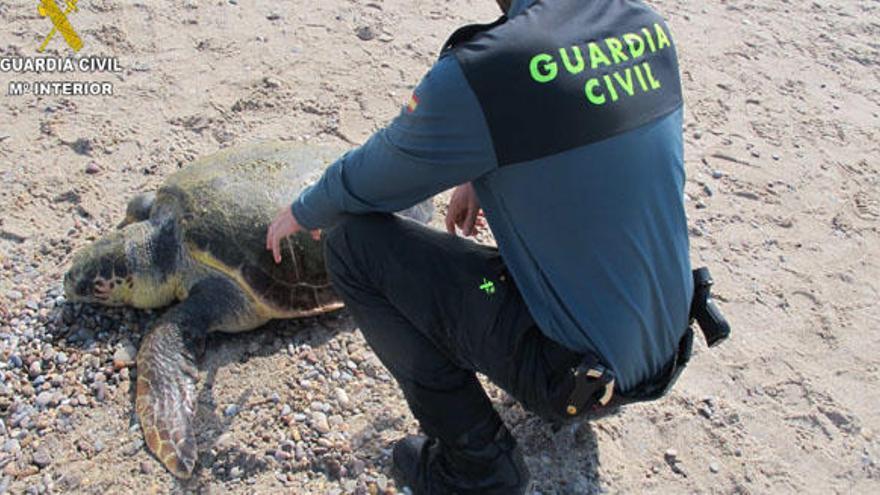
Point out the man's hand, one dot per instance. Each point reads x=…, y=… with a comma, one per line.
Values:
x=464, y=210
x=284, y=225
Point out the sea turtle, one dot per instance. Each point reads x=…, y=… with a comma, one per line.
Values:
x=200, y=241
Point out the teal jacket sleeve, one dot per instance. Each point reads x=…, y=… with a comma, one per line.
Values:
x=439, y=140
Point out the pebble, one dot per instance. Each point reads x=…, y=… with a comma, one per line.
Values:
x=42, y=458
x=286, y=410
x=281, y=455
x=231, y=410
x=35, y=369
x=15, y=361
x=45, y=399
x=319, y=422
x=714, y=467
x=92, y=168
x=365, y=33
x=14, y=295
x=146, y=467
x=342, y=397
x=11, y=446
x=717, y=174
x=124, y=355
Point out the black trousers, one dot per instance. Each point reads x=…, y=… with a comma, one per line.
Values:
x=435, y=309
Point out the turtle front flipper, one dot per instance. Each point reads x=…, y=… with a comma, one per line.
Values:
x=167, y=372
x=165, y=397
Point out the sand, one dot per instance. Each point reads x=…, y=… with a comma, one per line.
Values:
x=783, y=198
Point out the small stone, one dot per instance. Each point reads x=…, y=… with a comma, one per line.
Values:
x=15, y=361
x=365, y=33
x=671, y=455
x=705, y=411
x=61, y=358
x=342, y=397
x=224, y=441
x=281, y=455
x=717, y=174
x=14, y=295
x=42, y=458
x=44, y=399
x=231, y=410
x=714, y=467
x=319, y=422
x=35, y=369
x=698, y=134
x=92, y=168
x=146, y=467
x=271, y=82
x=124, y=355
x=235, y=472
x=286, y=410
x=100, y=391
x=775, y=157
x=11, y=446
x=274, y=16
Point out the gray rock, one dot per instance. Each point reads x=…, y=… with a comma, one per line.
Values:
x=60, y=358
x=365, y=33
x=45, y=399
x=231, y=410
x=11, y=446
x=35, y=369
x=42, y=458
x=125, y=354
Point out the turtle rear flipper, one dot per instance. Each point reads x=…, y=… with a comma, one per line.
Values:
x=166, y=395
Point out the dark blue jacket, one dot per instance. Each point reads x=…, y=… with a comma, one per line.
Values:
x=594, y=235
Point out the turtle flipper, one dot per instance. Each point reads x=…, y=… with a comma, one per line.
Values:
x=167, y=373
x=166, y=395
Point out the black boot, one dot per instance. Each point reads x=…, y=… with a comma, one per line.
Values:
x=468, y=467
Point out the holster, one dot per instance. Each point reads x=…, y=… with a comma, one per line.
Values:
x=594, y=383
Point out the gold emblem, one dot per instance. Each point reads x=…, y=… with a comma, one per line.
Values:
x=48, y=8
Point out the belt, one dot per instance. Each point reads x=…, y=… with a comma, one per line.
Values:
x=594, y=384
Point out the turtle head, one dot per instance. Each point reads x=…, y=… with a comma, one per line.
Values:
x=122, y=268
x=100, y=273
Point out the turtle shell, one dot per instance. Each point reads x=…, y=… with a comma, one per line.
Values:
x=223, y=205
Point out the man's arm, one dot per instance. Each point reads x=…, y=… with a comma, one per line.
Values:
x=438, y=141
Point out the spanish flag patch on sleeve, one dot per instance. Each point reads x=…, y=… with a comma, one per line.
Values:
x=412, y=104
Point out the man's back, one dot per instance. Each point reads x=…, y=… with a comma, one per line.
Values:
x=596, y=238
x=567, y=118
